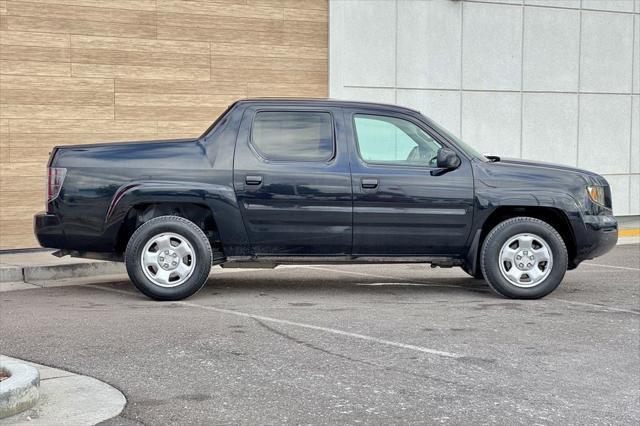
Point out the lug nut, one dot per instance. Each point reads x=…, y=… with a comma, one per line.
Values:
x=174, y=255
x=174, y=263
x=166, y=265
x=161, y=258
x=166, y=252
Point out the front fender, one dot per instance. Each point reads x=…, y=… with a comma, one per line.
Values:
x=489, y=199
x=220, y=199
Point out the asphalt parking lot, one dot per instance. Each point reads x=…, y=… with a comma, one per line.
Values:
x=373, y=344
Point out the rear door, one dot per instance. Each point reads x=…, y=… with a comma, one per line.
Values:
x=292, y=180
x=399, y=207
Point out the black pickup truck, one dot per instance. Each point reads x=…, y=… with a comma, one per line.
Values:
x=283, y=181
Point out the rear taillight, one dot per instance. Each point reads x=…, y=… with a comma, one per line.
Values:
x=55, y=178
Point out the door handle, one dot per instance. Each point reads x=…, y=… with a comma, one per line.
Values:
x=253, y=180
x=369, y=183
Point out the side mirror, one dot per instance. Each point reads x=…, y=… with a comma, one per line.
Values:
x=447, y=159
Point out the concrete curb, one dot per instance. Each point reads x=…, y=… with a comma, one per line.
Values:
x=15, y=273
x=10, y=273
x=21, y=390
x=73, y=270
x=67, y=398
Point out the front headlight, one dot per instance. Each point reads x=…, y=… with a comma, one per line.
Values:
x=596, y=193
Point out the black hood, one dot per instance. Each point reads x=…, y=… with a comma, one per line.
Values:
x=589, y=176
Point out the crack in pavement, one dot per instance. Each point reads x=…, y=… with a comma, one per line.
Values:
x=348, y=358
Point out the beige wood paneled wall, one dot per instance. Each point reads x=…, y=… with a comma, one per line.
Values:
x=85, y=71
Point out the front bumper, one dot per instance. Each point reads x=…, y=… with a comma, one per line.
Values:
x=48, y=230
x=599, y=236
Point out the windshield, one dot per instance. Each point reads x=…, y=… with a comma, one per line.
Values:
x=470, y=151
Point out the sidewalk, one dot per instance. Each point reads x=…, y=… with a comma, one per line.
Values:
x=69, y=399
x=38, y=268
x=26, y=269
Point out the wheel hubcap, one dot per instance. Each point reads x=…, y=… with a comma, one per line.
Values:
x=168, y=259
x=525, y=260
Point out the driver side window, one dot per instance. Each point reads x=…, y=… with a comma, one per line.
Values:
x=391, y=140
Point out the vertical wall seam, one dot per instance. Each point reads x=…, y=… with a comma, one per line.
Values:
x=633, y=71
x=522, y=84
x=578, y=87
x=329, y=8
x=461, y=63
x=395, y=54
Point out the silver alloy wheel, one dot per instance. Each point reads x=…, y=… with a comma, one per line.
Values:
x=525, y=260
x=168, y=259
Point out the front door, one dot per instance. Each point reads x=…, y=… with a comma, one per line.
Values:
x=292, y=181
x=399, y=207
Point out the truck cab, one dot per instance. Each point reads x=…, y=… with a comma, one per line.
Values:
x=282, y=181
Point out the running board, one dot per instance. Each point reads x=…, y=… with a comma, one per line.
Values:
x=273, y=261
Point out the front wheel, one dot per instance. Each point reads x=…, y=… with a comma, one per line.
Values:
x=168, y=258
x=523, y=258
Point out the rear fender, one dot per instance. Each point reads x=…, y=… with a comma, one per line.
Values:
x=220, y=199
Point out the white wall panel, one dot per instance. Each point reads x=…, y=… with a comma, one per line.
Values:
x=554, y=3
x=550, y=127
x=442, y=106
x=368, y=53
x=606, y=52
x=611, y=5
x=635, y=135
x=371, y=94
x=429, y=41
x=634, y=195
x=636, y=54
x=620, y=193
x=551, y=49
x=605, y=128
x=491, y=47
x=491, y=122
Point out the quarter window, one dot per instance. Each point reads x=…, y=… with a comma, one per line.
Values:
x=298, y=136
x=392, y=140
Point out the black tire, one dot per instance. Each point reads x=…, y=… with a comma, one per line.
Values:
x=199, y=245
x=500, y=235
x=478, y=274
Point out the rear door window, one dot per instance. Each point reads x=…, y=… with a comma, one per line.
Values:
x=293, y=135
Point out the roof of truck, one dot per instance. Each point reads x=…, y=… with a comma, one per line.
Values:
x=328, y=101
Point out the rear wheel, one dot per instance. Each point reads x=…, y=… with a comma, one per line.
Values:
x=523, y=258
x=168, y=258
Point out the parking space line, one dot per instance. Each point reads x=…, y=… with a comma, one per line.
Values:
x=602, y=307
x=362, y=274
x=593, y=305
x=364, y=337
x=626, y=268
x=424, y=283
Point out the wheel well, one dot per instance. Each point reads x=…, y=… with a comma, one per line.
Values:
x=201, y=215
x=554, y=217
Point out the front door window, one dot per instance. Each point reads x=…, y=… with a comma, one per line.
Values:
x=391, y=140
